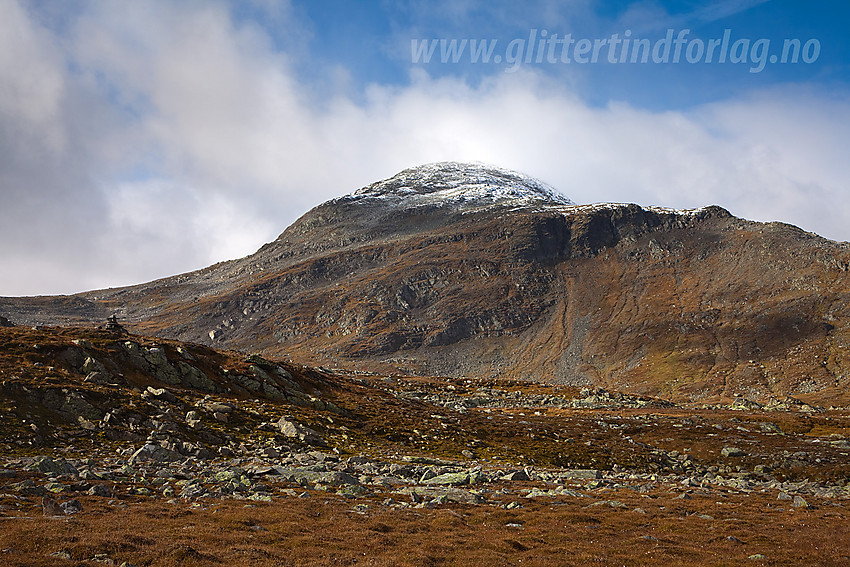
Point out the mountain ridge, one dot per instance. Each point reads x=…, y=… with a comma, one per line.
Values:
x=503, y=281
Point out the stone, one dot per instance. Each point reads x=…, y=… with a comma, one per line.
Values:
x=536, y=492
x=58, y=466
x=195, y=378
x=217, y=407
x=516, y=475
x=161, y=369
x=304, y=477
x=99, y=378
x=269, y=453
x=449, y=479
x=28, y=487
x=301, y=432
x=100, y=490
x=192, y=490
x=581, y=473
x=75, y=404
x=443, y=495
x=799, y=502
x=185, y=353
x=91, y=365
x=611, y=503
x=160, y=394
x=152, y=452
x=72, y=507
x=732, y=452
x=51, y=507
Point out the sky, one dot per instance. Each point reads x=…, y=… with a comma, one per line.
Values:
x=140, y=140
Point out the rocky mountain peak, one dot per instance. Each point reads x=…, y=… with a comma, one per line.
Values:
x=464, y=185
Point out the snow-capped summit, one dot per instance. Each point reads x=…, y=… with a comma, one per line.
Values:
x=468, y=185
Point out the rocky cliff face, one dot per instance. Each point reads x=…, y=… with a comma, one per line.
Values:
x=453, y=269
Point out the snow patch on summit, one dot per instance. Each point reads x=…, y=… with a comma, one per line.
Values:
x=462, y=185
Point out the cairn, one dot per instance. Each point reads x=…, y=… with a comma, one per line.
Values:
x=113, y=325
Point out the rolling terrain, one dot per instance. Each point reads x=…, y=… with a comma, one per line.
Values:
x=122, y=449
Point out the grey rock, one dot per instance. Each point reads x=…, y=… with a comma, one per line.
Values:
x=800, y=502
x=156, y=453
x=161, y=369
x=75, y=404
x=516, y=475
x=93, y=365
x=51, y=507
x=185, y=353
x=58, y=466
x=217, y=407
x=160, y=394
x=611, y=503
x=450, y=479
x=304, y=477
x=55, y=487
x=100, y=490
x=195, y=378
x=72, y=507
x=269, y=453
x=301, y=432
x=581, y=473
x=443, y=495
x=193, y=490
x=732, y=452
x=28, y=487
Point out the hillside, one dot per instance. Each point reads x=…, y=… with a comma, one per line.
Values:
x=123, y=449
x=465, y=270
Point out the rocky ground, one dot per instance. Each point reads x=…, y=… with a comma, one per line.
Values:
x=126, y=450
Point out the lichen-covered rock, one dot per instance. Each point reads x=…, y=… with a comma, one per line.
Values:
x=152, y=452
x=732, y=452
x=48, y=465
x=93, y=365
x=75, y=405
x=449, y=479
x=160, y=394
x=301, y=432
x=195, y=378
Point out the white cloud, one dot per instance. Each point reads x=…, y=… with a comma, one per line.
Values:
x=172, y=136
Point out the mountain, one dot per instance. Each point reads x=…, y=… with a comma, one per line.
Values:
x=469, y=270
